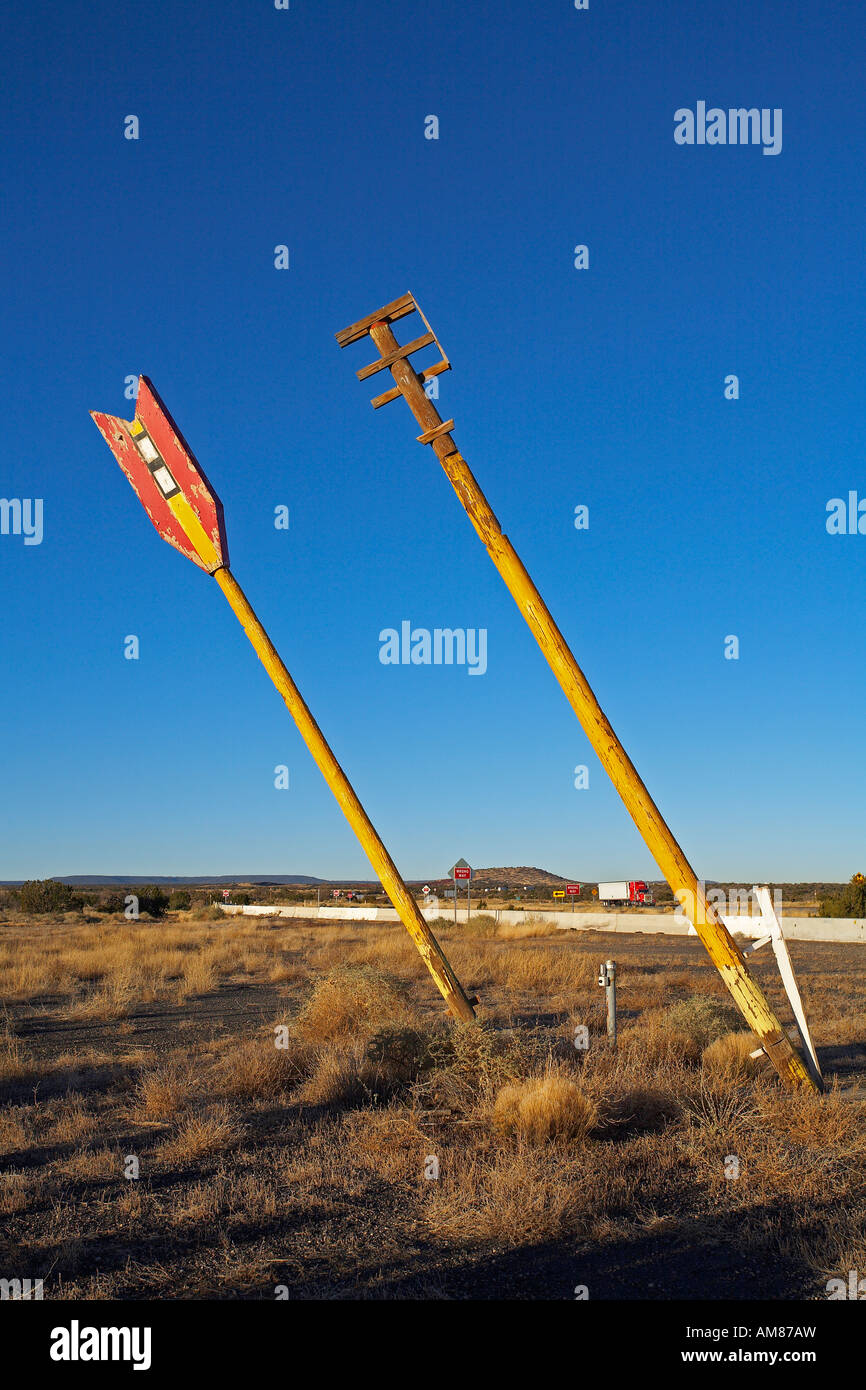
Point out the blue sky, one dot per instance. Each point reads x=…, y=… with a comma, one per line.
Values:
x=601, y=387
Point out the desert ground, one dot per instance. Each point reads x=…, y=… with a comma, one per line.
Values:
x=306, y=1122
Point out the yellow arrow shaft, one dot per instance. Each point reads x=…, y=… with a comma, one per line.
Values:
x=722, y=949
x=430, y=950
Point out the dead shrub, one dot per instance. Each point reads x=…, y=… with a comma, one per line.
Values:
x=350, y=999
x=703, y=1019
x=400, y=1055
x=471, y=1064
x=720, y=1108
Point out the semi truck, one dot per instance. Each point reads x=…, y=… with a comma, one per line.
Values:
x=632, y=894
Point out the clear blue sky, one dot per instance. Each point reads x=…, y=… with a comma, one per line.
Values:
x=305, y=127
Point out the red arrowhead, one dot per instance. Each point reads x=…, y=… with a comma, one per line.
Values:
x=144, y=459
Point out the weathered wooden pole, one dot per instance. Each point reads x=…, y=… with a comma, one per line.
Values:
x=722, y=949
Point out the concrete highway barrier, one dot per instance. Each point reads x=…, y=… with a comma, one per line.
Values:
x=794, y=928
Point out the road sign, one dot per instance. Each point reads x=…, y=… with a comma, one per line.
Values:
x=460, y=873
x=667, y=853
x=186, y=512
x=572, y=889
x=559, y=892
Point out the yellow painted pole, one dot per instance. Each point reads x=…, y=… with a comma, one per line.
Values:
x=153, y=467
x=722, y=949
x=429, y=948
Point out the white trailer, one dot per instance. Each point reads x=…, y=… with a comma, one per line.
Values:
x=634, y=893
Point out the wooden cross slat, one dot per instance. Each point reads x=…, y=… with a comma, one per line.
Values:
x=424, y=341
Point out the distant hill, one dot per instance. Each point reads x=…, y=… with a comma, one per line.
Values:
x=188, y=881
x=509, y=878
x=515, y=878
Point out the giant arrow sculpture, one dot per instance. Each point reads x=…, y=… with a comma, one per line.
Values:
x=186, y=512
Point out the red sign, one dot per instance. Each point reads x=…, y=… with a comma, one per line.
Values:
x=572, y=888
x=463, y=873
x=160, y=465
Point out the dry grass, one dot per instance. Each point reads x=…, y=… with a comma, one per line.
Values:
x=257, y=1068
x=731, y=1056
x=518, y=1196
x=543, y=1108
x=104, y=969
x=310, y=1163
x=163, y=1091
x=341, y=1075
x=703, y=1019
x=15, y=1064
x=350, y=999
x=657, y=1042
x=200, y=1136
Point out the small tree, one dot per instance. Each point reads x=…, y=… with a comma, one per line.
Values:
x=153, y=900
x=46, y=895
x=851, y=902
x=111, y=902
x=180, y=900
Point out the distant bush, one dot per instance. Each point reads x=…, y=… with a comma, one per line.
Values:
x=478, y=925
x=437, y=924
x=241, y=899
x=851, y=902
x=152, y=900
x=180, y=900
x=46, y=895
x=110, y=902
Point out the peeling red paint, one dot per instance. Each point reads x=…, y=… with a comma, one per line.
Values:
x=187, y=472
